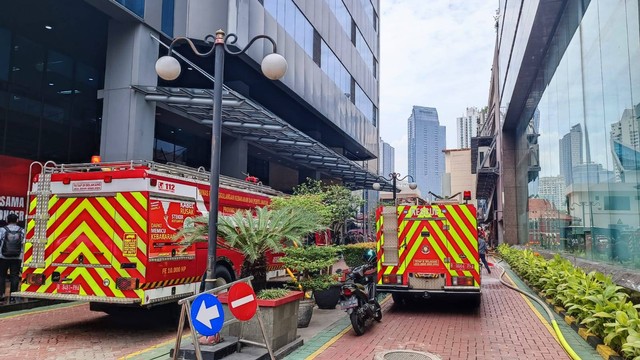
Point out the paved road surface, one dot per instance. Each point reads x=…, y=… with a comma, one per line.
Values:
x=75, y=332
x=503, y=328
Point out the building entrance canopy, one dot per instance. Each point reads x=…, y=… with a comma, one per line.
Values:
x=253, y=123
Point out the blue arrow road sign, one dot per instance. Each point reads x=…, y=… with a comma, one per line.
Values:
x=207, y=316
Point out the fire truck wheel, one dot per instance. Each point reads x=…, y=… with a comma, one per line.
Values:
x=475, y=302
x=398, y=298
x=222, y=272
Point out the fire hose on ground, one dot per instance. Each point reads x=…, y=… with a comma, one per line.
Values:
x=554, y=324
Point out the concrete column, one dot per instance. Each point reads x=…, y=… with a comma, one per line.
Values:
x=507, y=188
x=233, y=159
x=128, y=120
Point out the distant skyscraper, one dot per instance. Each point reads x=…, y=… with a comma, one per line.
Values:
x=552, y=189
x=570, y=153
x=427, y=140
x=625, y=141
x=467, y=126
x=387, y=159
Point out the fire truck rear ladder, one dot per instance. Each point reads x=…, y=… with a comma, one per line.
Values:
x=41, y=217
x=390, y=233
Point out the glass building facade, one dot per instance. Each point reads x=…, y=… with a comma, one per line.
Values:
x=578, y=140
x=49, y=108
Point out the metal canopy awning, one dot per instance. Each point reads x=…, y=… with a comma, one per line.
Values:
x=250, y=121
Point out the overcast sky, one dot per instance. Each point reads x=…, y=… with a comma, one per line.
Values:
x=435, y=53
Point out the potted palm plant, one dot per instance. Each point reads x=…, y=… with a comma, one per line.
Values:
x=254, y=233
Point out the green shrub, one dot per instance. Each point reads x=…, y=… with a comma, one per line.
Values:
x=272, y=294
x=352, y=253
x=592, y=298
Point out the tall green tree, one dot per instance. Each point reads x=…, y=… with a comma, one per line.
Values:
x=340, y=202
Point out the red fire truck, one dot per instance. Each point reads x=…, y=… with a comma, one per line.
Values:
x=104, y=232
x=425, y=250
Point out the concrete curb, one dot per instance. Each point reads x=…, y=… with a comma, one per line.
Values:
x=593, y=340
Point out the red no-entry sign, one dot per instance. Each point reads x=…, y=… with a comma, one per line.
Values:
x=242, y=301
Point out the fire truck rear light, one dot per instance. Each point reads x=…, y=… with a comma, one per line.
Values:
x=466, y=195
x=108, y=179
x=462, y=281
x=66, y=181
x=392, y=279
x=153, y=182
x=125, y=283
x=35, y=279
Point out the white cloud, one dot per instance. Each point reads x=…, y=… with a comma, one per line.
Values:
x=435, y=53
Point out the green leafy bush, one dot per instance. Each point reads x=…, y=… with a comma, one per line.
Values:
x=312, y=264
x=592, y=298
x=272, y=294
x=352, y=253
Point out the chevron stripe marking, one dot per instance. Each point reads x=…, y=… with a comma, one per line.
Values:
x=412, y=245
x=469, y=244
x=436, y=241
x=440, y=237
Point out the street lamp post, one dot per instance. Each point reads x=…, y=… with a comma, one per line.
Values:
x=273, y=67
x=394, y=177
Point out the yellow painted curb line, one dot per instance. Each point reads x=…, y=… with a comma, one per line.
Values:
x=584, y=333
x=338, y=336
x=39, y=311
x=140, y=352
x=606, y=351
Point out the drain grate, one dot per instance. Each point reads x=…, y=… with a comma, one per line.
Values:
x=405, y=355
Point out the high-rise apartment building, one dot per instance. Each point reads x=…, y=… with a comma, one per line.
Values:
x=427, y=140
x=570, y=152
x=82, y=81
x=467, y=126
x=552, y=188
x=387, y=159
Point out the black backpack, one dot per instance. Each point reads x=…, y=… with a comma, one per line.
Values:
x=12, y=243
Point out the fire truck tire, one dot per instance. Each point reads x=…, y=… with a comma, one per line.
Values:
x=475, y=302
x=221, y=272
x=398, y=298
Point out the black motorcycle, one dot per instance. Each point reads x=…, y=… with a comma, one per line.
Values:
x=358, y=297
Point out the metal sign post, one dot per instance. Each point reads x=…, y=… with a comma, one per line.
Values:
x=209, y=315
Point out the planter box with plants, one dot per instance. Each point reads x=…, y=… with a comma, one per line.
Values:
x=312, y=265
x=279, y=310
x=597, y=304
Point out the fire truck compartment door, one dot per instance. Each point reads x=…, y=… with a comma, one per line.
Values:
x=84, y=231
x=166, y=218
x=426, y=253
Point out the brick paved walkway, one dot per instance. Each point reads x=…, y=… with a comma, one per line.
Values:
x=72, y=331
x=504, y=327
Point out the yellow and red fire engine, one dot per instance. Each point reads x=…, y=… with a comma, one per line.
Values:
x=426, y=250
x=105, y=232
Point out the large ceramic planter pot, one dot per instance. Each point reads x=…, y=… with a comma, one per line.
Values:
x=305, y=312
x=280, y=319
x=328, y=298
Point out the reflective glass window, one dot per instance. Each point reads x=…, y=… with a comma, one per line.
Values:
x=168, y=12
x=293, y=21
x=331, y=66
x=136, y=6
x=364, y=51
x=341, y=13
x=582, y=144
x=365, y=105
